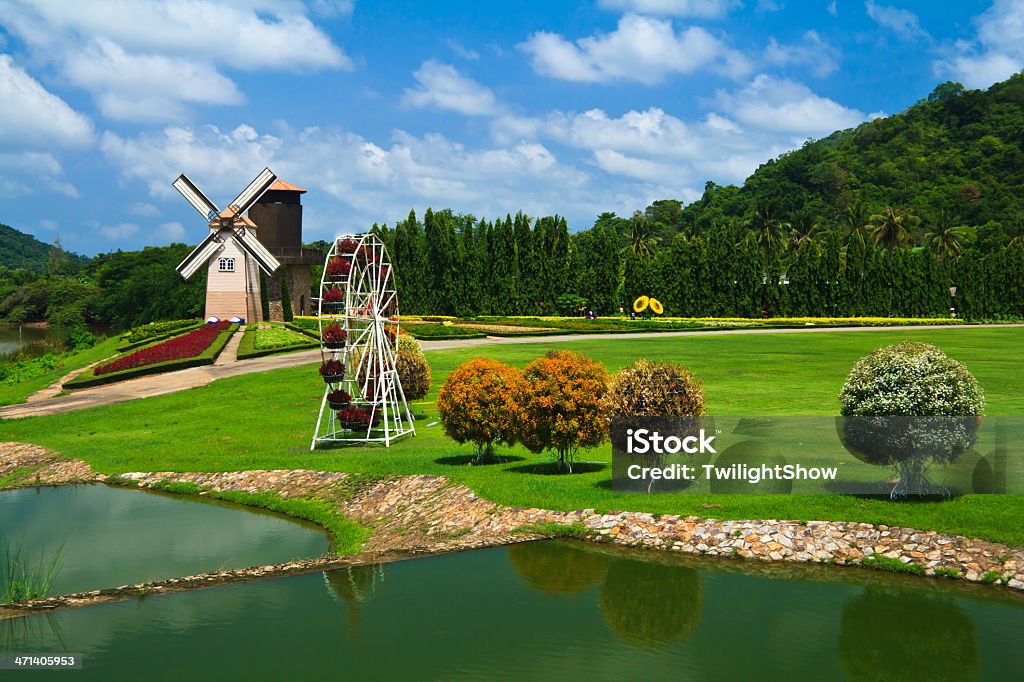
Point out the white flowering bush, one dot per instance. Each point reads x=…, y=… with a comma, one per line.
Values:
x=908, y=405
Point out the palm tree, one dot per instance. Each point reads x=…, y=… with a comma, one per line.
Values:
x=856, y=219
x=891, y=228
x=641, y=241
x=805, y=228
x=945, y=238
x=768, y=227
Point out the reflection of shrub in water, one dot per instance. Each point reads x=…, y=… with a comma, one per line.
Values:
x=557, y=568
x=900, y=636
x=354, y=586
x=647, y=604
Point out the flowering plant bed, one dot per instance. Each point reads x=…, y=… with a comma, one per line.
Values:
x=150, y=333
x=198, y=347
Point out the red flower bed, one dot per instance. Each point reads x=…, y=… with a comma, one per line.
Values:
x=179, y=348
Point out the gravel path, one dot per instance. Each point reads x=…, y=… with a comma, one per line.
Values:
x=171, y=382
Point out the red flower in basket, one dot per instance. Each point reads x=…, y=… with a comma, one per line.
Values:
x=338, y=268
x=347, y=246
x=332, y=371
x=339, y=400
x=334, y=336
x=334, y=296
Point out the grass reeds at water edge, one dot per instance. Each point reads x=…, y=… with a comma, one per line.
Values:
x=22, y=578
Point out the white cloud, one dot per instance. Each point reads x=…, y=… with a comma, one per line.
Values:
x=359, y=179
x=698, y=9
x=144, y=209
x=997, y=52
x=780, y=105
x=640, y=48
x=123, y=83
x=460, y=50
x=832, y=8
x=443, y=87
x=118, y=232
x=902, y=22
x=144, y=60
x=31, y=116
x=170, y=232
x=28, y=172
x=751, y=124
x=812, y=52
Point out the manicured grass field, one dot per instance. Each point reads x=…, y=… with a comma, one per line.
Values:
x=266, y=420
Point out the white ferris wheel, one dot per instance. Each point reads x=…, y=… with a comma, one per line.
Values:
x=363, y=401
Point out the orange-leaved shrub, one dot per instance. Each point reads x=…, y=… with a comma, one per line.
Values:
x=477, y=404
x=561, y=405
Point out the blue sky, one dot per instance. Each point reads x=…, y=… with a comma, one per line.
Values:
x=484, y=107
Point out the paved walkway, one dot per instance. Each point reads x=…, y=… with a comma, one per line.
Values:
x=171, y=382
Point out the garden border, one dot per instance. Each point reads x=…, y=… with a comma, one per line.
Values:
x=88, y=380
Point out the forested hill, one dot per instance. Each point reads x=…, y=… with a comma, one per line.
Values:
x=954, y=156
x=23, y=251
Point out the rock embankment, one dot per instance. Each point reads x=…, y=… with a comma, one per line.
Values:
x=432, y=514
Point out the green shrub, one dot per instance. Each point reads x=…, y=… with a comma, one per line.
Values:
x=413, y=368
x=907, y=405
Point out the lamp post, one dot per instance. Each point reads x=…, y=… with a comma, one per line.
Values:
x=952, y=300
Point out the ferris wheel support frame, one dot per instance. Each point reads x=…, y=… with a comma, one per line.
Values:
x=368, y=354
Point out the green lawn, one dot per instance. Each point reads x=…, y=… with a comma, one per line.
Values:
x=266, y=421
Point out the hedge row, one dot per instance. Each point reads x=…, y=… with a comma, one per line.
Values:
x=87, y=379
x=126, y=346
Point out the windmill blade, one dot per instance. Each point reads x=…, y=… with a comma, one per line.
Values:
x=254, y=191
x=199, y=256
x=195, y=197
x=247, y=240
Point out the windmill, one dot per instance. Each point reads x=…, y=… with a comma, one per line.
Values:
x=231, y=250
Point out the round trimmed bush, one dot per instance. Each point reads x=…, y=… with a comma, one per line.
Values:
x=413, y=368
x=911, y=379
x=478, y=404
x=907, y=405
x=562, y=405
x=654, y=389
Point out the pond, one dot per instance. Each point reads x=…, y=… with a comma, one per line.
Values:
x=115, y=536
x=12, y=337
x=549, y=611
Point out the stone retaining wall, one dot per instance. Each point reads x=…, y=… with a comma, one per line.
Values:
x=430, y=514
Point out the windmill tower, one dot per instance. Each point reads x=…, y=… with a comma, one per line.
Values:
x=232, y=253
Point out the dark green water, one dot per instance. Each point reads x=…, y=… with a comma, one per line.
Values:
x=548, y=611
x=114, y=536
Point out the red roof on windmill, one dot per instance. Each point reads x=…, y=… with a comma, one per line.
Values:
x=280, y=184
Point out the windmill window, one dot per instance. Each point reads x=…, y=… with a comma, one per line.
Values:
x=226, y=265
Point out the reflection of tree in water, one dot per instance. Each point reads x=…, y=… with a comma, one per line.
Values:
x=887, y=636
x=556, y=567
x=648, y=604
x=354, y=586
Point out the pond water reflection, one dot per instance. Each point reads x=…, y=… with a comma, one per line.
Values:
x=555, y=610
